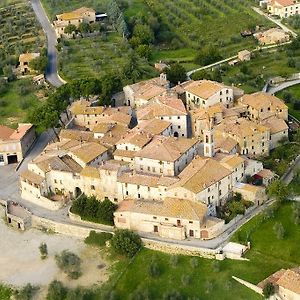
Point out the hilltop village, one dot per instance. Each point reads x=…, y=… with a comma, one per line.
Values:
x=169, y=157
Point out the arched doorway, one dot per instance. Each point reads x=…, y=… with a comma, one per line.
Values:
x=176, y=134
x=78, y=192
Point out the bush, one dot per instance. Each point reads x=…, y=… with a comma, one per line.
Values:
x=69, y=263
x=279, y=231
x=186, y=279
x=194, y=262
x=56, y=291
x=93, y=210
x=43, y=250
x=154, y=269
x=174, y=260
x=268, y=290
x=126, y=242
x=172, y=295
x=26, y=293
x=98, y=239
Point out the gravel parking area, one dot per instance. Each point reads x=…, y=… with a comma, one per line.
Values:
x=21, y=263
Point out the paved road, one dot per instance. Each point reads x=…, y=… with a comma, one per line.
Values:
x=282, y=86
x=275, y=21
x=51, y=72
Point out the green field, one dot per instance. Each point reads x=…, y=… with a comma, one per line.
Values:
x=210, y=279
x=295, y=92
x=78, y=59
x=15, y=105
x=197, y=23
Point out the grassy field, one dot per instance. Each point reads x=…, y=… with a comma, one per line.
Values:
x=210, y=279
x=14, y=105
x=295, y=186
x=295, y=92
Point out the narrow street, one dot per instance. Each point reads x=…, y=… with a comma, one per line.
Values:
x=51, y=72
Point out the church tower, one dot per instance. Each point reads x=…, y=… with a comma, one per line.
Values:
x=208, y=140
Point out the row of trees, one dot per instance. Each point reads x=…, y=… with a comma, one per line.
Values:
x=83, y=28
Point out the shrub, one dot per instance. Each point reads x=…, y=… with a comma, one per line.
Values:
x=194, y=262
x=268, y=290
x=43, y=250
x=186, y=279
x=279, y=231
x=172, y=295
x=174, y=260
x=69, y=263
x=98, y=239
x=154, y=269
x=26, y=293
x=56, y=291
x=126, y=242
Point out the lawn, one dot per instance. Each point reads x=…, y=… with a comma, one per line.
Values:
x=14, y=105
x=210, y=279
x=295, y=93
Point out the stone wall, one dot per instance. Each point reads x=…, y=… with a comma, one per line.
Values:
x=179, y=249
x=74, y=230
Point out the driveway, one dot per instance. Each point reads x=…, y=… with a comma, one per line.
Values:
x=51, y=72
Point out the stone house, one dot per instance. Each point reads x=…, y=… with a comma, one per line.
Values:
x=87, y=116
x=283, y=8
x=279, y=131
x=261, y=106
x=76, y=17
x=167, y=108
x=252, y=138
x=244, y=55
x=172, y=218
x=166, y=156
x=286, y=283
x=140, y=93
x=14, y=144
x=205, y=93
x=24, y=61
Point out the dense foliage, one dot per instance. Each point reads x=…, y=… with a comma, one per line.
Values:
x=126, y=242
x=91, y=209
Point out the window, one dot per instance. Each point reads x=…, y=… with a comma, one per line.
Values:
x=178, y=117
x=92, y=187
x=166, y=219
x=191, y=222
x=55, y=181
x=191, y=233
x=1, y=158
x=179, y=126
x=139, y=196
x=154, y=218
x=155, y=228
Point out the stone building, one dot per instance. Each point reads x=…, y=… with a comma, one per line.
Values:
x=14, y=144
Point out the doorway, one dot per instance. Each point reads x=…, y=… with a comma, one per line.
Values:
x=12, y=159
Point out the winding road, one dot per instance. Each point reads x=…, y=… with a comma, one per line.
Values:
x=51, y=72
